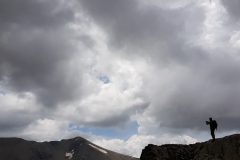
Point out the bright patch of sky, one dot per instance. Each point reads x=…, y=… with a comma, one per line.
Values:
x=104, y=79
x=2, y=93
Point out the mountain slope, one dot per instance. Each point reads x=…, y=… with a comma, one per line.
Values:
x=75, y=149
x=227, y=148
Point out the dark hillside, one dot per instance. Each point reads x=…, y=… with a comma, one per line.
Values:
x=227, y=148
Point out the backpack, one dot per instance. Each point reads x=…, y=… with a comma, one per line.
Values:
x=215, y=125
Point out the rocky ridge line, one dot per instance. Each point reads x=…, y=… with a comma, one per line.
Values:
x=226, y=148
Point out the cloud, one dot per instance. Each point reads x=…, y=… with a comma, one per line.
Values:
x=192, y=72
x=39, y=14
x=35, y=40
x=17, y=112
x=232, y=7
x=138, y=29
x=167, y=65
x=117, y=100
x=134, y=145
x=50, y=129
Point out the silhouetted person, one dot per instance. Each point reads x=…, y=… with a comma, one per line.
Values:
x=213, y=125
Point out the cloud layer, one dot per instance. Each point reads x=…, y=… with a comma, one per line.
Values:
x=168, y=66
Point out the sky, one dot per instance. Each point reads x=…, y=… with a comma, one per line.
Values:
x=120, y=73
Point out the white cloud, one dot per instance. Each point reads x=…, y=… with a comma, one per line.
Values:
x=45, y=130
x=134, y=145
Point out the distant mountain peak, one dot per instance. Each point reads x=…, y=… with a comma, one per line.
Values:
x=75, y=149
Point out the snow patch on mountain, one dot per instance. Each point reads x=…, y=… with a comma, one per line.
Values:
x=99, y=149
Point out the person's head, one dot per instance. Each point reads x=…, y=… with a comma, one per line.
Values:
x=210, y=119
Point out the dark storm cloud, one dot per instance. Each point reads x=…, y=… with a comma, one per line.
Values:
x=33, y=13
x=232, y=7
x=13, y=121
x=35, y=44
x=143, y=30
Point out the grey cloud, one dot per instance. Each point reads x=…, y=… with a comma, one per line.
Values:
x=37, y=48
x=87, y=41
x=232, y=7
x=147, y=31
x=116, y=121
x=209, y=91
x=36, y=45
x=14, y=121
x=33, y=66
x=120, y=119
x=162, y=35
x=34, y=13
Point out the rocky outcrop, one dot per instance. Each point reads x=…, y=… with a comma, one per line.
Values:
x=227, y=148
x=75, y=149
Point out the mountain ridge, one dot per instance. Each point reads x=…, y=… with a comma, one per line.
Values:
x=226, y=148
x=76, y=148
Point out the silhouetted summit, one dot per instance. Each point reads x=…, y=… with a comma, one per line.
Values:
x=75, y=149
x=227, y=148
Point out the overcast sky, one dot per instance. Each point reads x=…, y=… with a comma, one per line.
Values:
x=121, y=73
